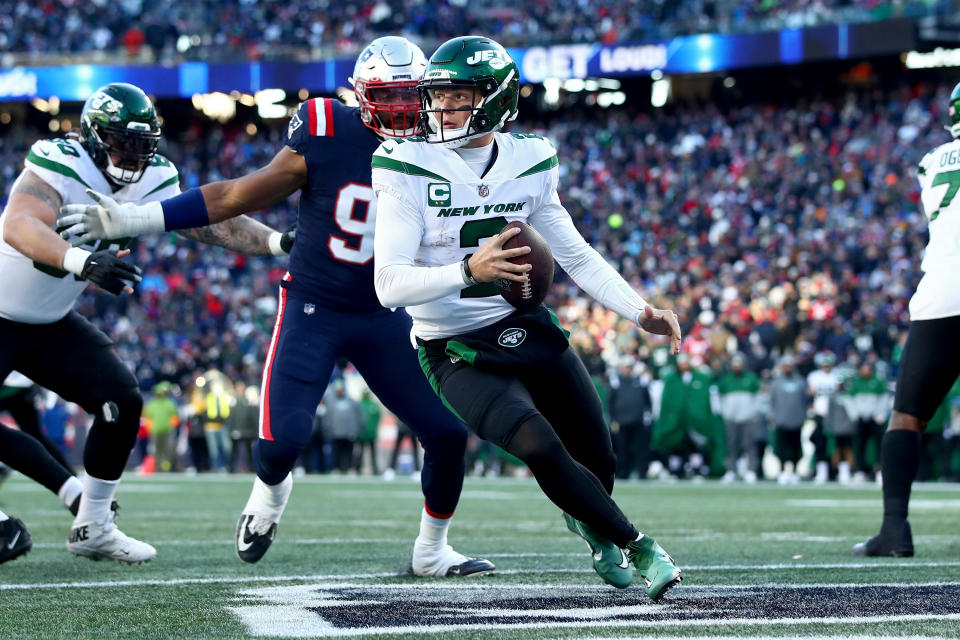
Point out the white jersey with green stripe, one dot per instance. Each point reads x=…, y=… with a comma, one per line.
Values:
x=938, y=295
x=36, y=293
x=433, y=209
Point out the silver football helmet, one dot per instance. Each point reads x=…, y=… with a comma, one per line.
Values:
x=385, y=81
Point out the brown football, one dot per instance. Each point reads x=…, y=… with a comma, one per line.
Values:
x=528, y=295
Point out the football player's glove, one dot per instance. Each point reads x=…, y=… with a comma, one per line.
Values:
x=281, y=243
x=102, y=268
x=81, y=224
x=288, y=238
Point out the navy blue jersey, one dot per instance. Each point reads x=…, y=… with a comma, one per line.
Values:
x=332, y=259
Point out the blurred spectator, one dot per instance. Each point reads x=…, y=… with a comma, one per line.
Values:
x=368, y=436
x=55, y=418
x=162, y=415
x=822, y=384
x=788, y=406
x=738, y=389
x=343, y=422
x=244, y=426
x=315, y=458
x=202, y=29
x=871, y=400
x=404, y=433
x=218, y=401
x=944, y=440
x=630, y=418
x=686, y=431
x=841, y=423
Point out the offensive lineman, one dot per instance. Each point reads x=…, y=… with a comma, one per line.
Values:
x=328, y=306
x=43, y=338
x=511, y=376
x=929, y=365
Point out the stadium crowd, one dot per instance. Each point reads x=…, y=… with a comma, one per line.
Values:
x=244, y=29
x=786, y=237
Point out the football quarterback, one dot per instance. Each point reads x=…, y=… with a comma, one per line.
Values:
x=510, y=375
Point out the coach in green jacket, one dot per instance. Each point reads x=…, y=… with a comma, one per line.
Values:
x=687, y=424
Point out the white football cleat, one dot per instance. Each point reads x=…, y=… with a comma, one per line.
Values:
x=445, y=562
x=103, y=540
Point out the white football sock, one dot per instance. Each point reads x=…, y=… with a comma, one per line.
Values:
x=269, y=501
x=72, y=487
x=95, y=499
x=3, y=516
x=433, y=531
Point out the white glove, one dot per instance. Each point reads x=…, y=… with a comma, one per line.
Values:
x=82, y=224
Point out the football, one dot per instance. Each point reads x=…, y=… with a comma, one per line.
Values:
x=528, y=295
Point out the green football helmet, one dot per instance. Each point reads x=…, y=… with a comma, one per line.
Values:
x=954, y=112
x=471, y=62
x=120, y=129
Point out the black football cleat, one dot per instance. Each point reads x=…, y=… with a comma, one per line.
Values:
x=14, y=539
x=254, y=536
x=894, y=541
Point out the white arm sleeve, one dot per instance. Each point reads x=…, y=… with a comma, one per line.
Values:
x=581, y=261
x=399, y=283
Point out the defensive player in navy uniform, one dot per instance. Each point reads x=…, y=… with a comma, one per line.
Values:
x=328, y=307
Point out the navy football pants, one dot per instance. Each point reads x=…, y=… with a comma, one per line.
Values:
x=307, y=342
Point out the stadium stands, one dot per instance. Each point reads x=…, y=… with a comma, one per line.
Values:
x=212, y=30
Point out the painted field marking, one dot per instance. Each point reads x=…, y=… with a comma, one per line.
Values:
x=508, y=572
x=339, y=610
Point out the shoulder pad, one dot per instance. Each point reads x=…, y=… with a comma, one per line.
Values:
x=160, y=175
x=408, y=157
x=317, y=114
x=59, y=156
x=537, y=154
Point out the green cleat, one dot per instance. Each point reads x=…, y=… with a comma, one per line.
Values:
x=609, y=561
x=655, y=566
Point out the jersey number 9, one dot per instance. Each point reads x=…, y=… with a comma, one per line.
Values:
x=355, y=212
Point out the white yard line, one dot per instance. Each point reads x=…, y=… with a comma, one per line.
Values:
x=452, y=585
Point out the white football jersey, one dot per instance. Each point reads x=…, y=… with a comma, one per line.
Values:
x=36, y=293
x=938, y=294
x=460, y=209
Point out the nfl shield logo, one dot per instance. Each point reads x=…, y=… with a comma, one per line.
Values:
x=483, y=190
x=309, y=309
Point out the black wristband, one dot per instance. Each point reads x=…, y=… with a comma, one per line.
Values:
x=465, y=268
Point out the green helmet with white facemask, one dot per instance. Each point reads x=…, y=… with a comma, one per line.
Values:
x=954, y=112
x=470, y=62
x=120, y=128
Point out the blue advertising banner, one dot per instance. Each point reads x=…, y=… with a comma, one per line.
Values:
x=688, y=54
x=715, y=52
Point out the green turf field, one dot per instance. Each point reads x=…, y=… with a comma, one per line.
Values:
x=760, y=561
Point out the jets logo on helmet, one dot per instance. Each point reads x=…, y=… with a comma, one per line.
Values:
x=487, y=70
x=385, y=79
x=120, y=129
x=490, y=56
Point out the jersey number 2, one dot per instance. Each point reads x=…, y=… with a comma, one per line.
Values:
x=470, y=235
x=354, y=212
